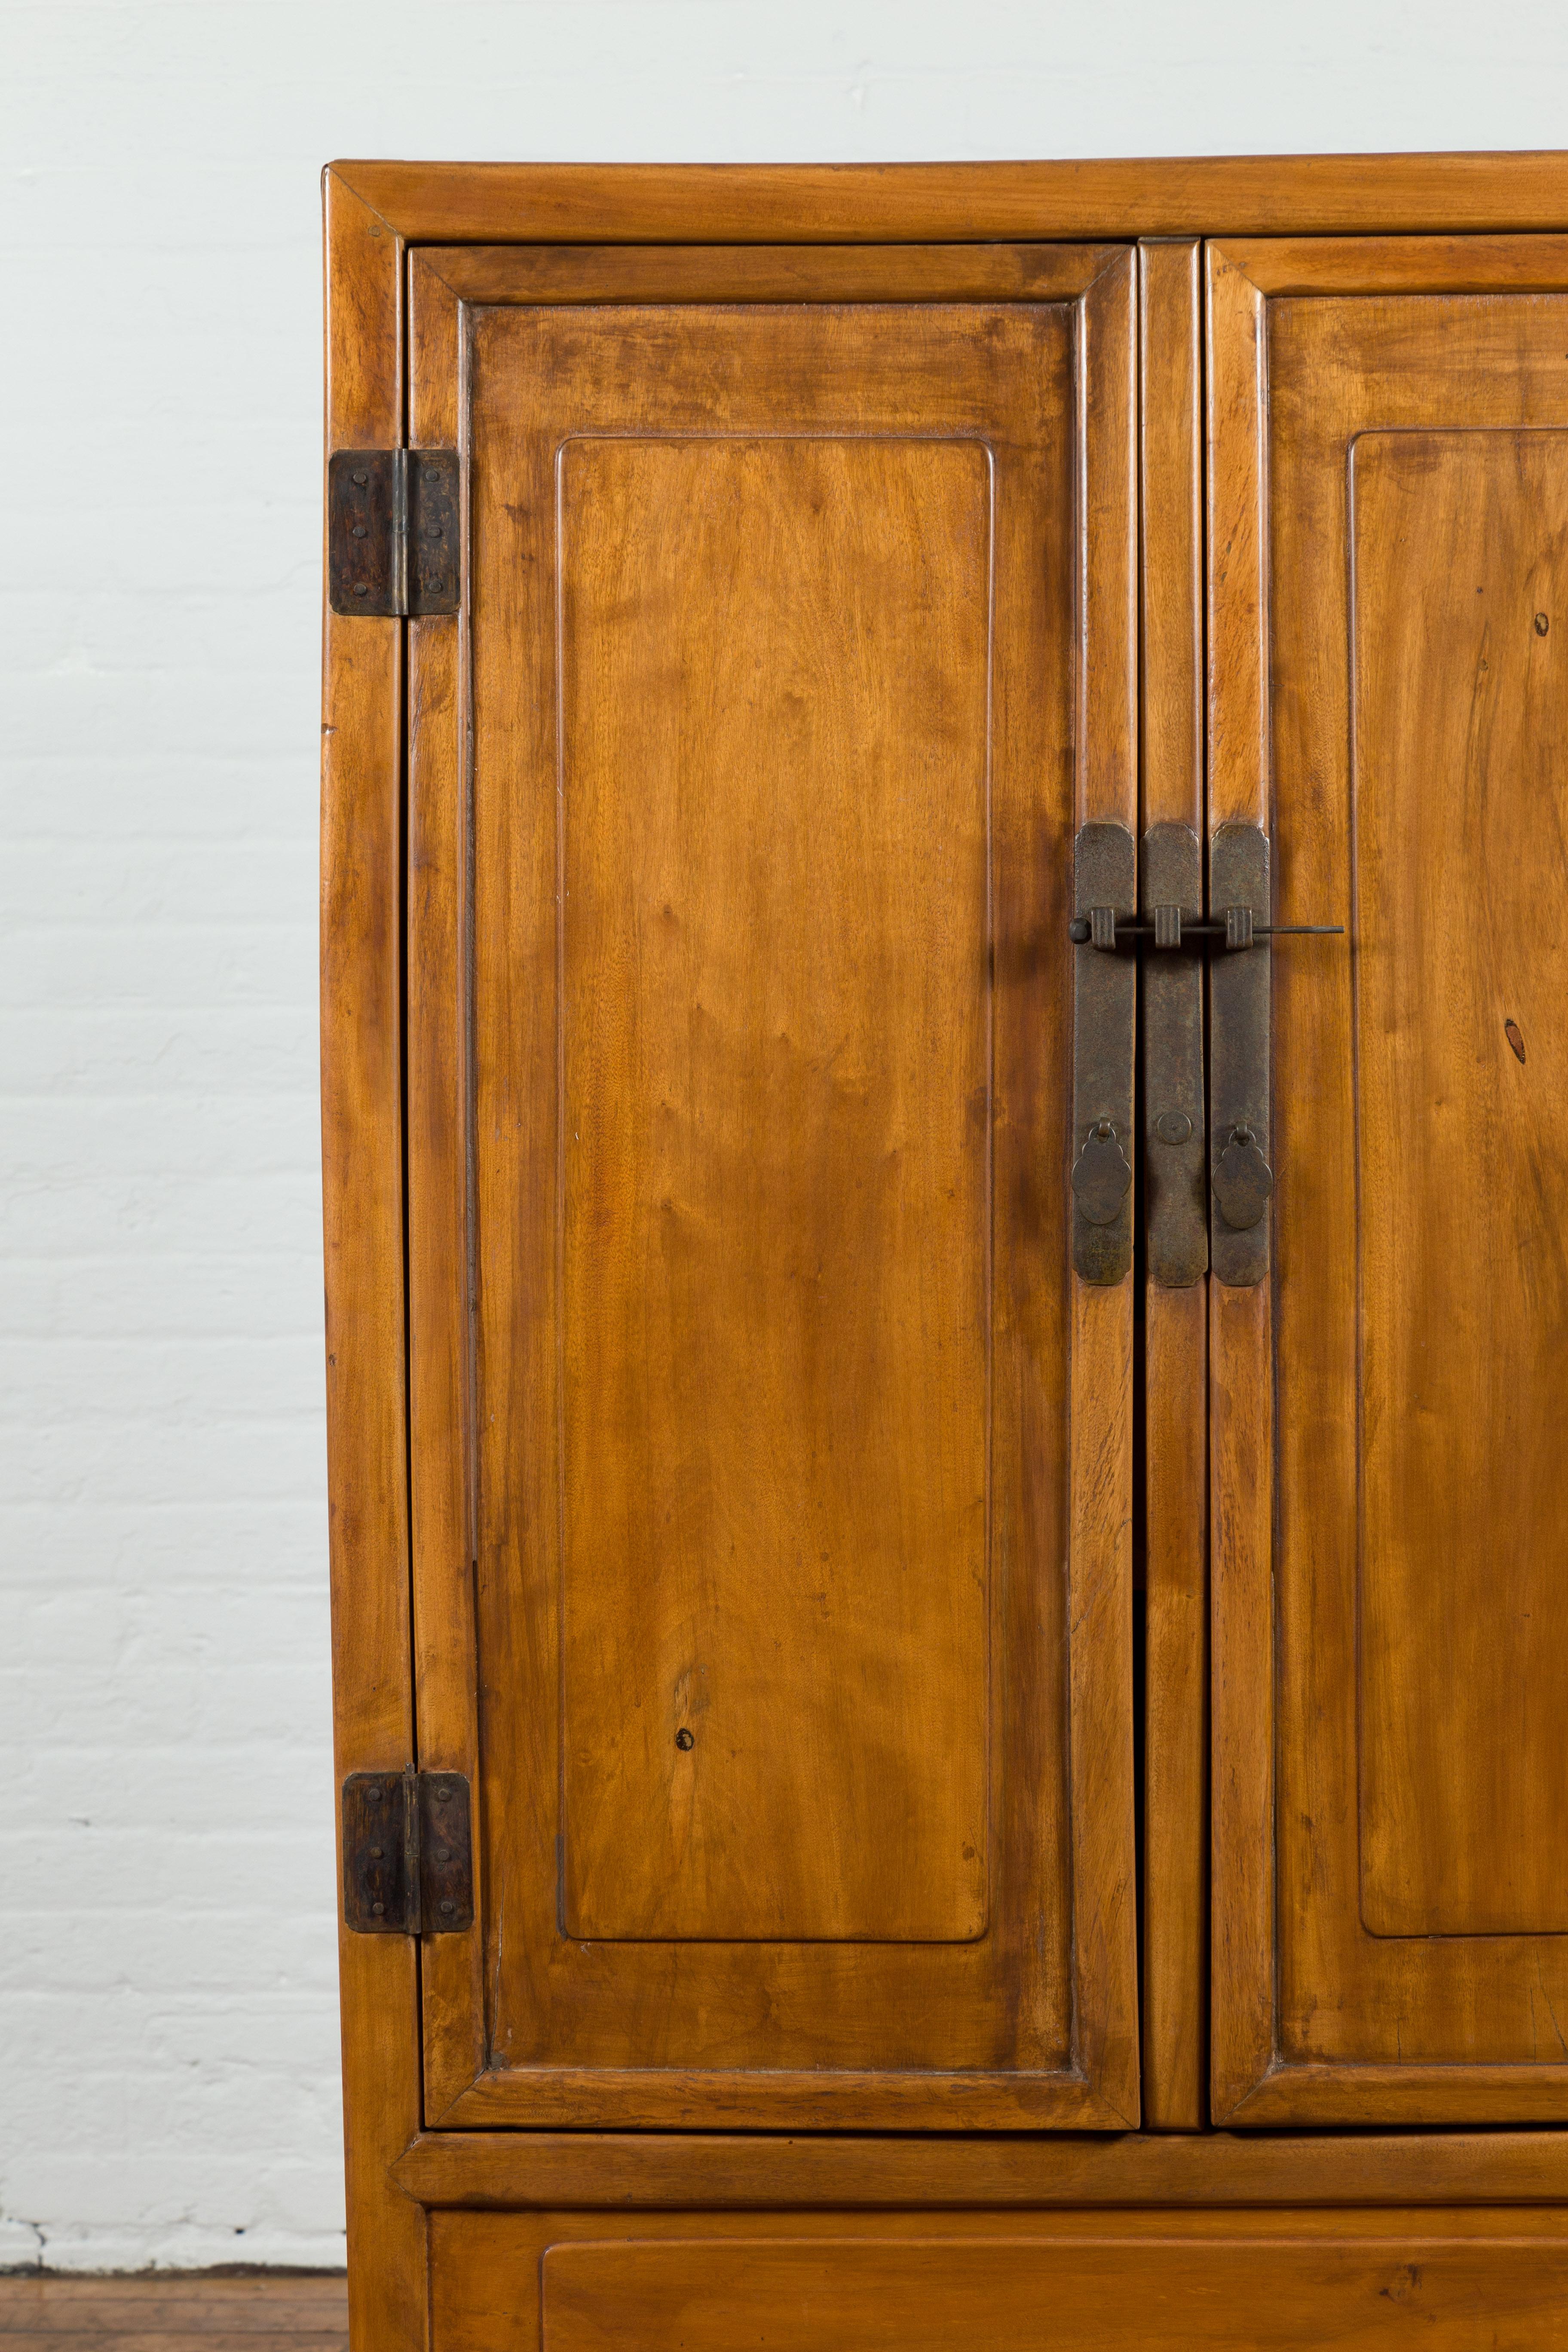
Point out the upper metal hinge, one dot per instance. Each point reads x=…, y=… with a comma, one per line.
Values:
x=394, y=531
x=408, y=1865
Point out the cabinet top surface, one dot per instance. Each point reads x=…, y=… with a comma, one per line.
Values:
x=1121, y=196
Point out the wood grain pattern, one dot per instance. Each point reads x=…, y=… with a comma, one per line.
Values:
x=1240, y=196
x=1460, y=544
x=777, y=1605
x=765, y=273
x=1406, y=2093
x=451, y=1992
x=362, y=1146
x=593, y=2016
x=889, y=2097
x=294, y=2312
x=1241, y=1754
x=1237, y=546
x=1170, y=490
x=1241, y=1468
x=1072, y=2295
x=1086, y=2280
x=1400, y=265
x=1175, y=1395
x=1100, y=1655
x=651, y=2169
x=1105, y=384
x=1101, y=1398
x=1175, y=1719
x=1416, y=2026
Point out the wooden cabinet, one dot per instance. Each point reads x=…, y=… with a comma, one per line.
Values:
x=947, y=1420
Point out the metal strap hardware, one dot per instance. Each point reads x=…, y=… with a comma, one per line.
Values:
x=1239, y=1020
x=1240, y=990
x=1243, y=1181
x=394, y=531
x=1105, y=1004
x=1176, y=1224
x=1172, y=928
x=1101, y=1174
x=407, y=1853
x=1185, y=1233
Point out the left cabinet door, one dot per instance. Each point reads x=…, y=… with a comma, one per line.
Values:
x=772, y=1467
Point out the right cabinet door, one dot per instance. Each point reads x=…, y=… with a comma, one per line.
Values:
x=1388, y=650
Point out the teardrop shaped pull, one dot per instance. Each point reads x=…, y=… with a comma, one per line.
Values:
x=1101, y=1174
x=1243, y=1180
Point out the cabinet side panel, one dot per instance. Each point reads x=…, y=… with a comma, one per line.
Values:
x=362, y=1139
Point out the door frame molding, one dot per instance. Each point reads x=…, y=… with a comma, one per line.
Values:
x=508, y=2169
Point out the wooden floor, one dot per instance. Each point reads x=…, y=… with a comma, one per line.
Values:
x=304, y=2313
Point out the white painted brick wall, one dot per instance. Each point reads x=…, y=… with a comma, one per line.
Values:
x=168, y=2036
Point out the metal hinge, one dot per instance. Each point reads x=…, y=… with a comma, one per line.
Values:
x=408, y=1865
x=394, y=531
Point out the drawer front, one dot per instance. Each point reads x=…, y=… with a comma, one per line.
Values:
x=1161, y=2282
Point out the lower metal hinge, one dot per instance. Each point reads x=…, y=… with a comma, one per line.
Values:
x=408, y=1866
x=394, y=531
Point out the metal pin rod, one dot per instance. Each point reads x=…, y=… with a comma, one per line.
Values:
x=1079, y=930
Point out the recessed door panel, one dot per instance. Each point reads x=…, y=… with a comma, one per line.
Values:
x=775, y=1195
x=803, y=1782
x=1459, y=543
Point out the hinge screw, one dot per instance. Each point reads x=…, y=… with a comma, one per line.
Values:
x=375, y=1854
x=359, y=588
x=361, y=480
x=378, y=1908
x=448, y=1906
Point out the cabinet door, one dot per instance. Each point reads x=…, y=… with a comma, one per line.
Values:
x=772, y=1512
x=1389, y=693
